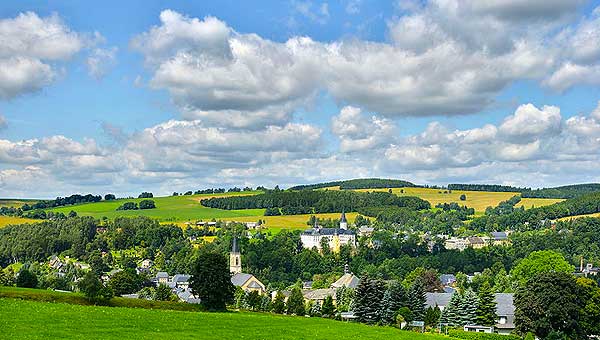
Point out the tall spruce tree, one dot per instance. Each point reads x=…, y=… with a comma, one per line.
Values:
x=450, y=315
x=368, y=300
x=417, y=300
x=295, y=302
x=393, y=299
x=486, y=309
x=468, y=308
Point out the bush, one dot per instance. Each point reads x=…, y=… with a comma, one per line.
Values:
x=147, y=204
x=458, y=334
x=463, y=197
x=26, y=279
x=128, y=206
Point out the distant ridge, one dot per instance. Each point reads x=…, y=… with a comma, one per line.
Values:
x=359, y=183
x=565, y=191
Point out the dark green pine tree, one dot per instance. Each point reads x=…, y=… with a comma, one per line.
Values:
x=468, y=308
x=368, y=300
x=295, y=302
x=393, y=299
x=486, y=309
x=417, y=300
x=450, y=315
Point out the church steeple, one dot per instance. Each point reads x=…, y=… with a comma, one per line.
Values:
x=235, y=257
x=343, y=221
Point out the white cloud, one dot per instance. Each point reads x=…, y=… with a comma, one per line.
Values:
x=529, y=121
x=359, y=133
x=101, y=61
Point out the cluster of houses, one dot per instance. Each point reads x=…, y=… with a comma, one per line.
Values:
x=477, y=242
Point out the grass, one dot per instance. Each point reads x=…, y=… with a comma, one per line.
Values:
x=8, y=220
x=537, y=202
x=292, y=221
x=568, y=218
x=42, y=320
x=168, y=209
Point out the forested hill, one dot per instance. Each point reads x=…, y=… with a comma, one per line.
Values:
x=315, y=201
x=536, y=217
x=567, y=191
x=360, y=183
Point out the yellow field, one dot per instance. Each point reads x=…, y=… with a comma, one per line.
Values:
x=579, y=216
x=6, y=220
x=537, y=202
x=291, y=221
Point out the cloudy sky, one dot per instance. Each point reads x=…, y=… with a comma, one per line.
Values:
x=134, y=96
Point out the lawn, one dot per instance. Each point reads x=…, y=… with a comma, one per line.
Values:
x=168, y=209
x=44, y=320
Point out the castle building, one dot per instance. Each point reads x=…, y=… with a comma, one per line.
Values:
x=335, y=237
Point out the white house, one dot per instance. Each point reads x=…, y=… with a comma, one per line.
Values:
x=336, y=237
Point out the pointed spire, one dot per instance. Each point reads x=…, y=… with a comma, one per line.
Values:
x=343, y=217
x=235, y=248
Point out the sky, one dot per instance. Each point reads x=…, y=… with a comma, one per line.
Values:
x=134, y=96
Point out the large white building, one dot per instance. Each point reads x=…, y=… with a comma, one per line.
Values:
x=336, y=237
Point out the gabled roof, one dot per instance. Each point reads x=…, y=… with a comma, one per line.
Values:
x=504, y=304
x=348, y=280
x=162, y=275
x=499, y=235
x=181, y=278
x=328, y=231
x=235, y=248
x=437, y=299
x=239, y=279
x=255, y=285
x=318, y=294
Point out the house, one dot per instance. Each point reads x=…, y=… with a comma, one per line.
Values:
x=186, y=295
x=365, y=231
x=335, y=237
x=319, y=295
x=146, y=264
x=456, y=243
x=499, y=237
x=505, y=309
x=478, y=329
x=162, y=278
x=181, y=281
x=348, y=280
x=447, y=279
x=476, y=242
x=56, y=263
x=247, y=282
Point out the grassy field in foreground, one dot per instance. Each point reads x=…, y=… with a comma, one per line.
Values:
x=169, y=208
x=41, y=320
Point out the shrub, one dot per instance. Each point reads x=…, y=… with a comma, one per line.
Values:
x=458, y=334
x=147, y=204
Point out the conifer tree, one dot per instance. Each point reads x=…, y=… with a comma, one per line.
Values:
x=486, y=309
x=450, y=315
x=279, y=303
x=295, y=302
x=417, y=300
x=328, y=309
x=367, y=303
x=393, y=299
x=468, y=308
x=315, y=309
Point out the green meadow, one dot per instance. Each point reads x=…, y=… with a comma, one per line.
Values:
x=21, y=319
x=168, y=209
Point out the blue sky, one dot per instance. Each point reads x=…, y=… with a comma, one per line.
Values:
x=139, y=95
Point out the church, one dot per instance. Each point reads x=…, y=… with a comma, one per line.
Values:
x=336, y=237
x=246, y=281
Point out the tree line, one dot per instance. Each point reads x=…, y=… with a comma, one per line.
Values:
x=360, y=183
x=315, y=201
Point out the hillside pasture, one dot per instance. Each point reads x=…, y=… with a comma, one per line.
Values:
x=168, y=209
x=529, y=203
x=294, y=222
x=44, y=320
x=10, y=202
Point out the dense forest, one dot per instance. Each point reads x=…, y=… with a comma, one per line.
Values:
x=315, y=201
x=361, y=183
x=567, y=191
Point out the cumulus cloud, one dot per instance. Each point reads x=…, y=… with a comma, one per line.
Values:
x=443, y=58
x=359, y=133
x=31, y=48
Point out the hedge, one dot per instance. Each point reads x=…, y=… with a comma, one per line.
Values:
x=458, y=334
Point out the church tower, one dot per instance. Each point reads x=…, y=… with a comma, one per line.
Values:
x=235, y=258
x=343, y=221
